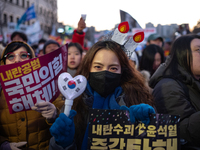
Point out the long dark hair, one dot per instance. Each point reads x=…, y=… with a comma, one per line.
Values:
x=181, y=54
x=132, y=82
x=148, y=55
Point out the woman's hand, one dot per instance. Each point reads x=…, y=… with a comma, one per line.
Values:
x=12, y=146
x=81, y=25
x=63, y=129
x=47, y=109
x=139, y=112
x=15, y=146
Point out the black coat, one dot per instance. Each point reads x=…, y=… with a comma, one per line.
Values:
x=179, y=94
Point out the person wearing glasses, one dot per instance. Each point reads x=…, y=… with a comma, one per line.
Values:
x=27, y=129
x=176, y=88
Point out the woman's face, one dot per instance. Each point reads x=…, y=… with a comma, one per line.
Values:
x=105, y=60
x=18, y=55
x=74, y=57
x=157, y=61
x=195, y=47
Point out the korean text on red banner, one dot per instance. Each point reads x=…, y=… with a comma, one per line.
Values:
x=33, y=81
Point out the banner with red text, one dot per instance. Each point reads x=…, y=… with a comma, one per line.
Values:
x=33, y=81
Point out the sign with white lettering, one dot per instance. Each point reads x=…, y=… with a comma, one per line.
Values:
x=33, y=81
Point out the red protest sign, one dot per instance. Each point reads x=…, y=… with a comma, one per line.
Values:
x=33, y=81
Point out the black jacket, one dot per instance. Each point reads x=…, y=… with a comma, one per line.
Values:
x=179, y=94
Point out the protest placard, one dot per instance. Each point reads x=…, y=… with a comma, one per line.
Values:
x=112, y=129
x=33, y=81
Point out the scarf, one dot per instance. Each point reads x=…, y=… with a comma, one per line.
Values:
x=101, y=103
x=72, y=72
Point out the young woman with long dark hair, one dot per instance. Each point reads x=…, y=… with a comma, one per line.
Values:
x=112, y=83
x=177, y=88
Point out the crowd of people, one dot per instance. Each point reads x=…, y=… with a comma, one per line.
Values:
x=164, y=79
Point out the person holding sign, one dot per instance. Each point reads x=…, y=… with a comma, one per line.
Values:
x=25, y=129
x=177, y=88
x=111, y=84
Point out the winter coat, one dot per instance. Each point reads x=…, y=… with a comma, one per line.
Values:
x=78, y=38
x=29, y=126
x=179, y=94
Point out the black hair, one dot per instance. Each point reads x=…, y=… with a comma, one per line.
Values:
x=34, y=47
x=22, y=35
x=42, y=41
x=148, y=55
x=181, y=54
x=48, y=43
x=77, y=45
x=13, y=46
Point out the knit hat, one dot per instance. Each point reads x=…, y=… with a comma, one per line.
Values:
x=49, y=42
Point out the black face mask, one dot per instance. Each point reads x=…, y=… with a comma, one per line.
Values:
x=104, y=82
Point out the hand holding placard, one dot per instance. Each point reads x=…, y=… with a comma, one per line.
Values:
x=71, y=88
x=139, y=112
x=47, y=109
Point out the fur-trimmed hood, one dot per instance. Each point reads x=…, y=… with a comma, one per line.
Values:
x=3, y=53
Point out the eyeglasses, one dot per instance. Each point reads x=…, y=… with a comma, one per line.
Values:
x=11, y=56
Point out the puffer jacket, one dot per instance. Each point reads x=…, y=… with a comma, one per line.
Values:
x=179, y=94
x=29, y=126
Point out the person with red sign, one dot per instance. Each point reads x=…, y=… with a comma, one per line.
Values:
x=26, y=129
x=112, y=83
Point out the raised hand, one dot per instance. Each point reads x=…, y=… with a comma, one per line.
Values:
x=81, y=25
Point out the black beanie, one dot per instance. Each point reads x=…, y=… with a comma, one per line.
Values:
x=49, y=42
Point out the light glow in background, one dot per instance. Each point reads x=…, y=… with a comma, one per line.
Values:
x=104, y=14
